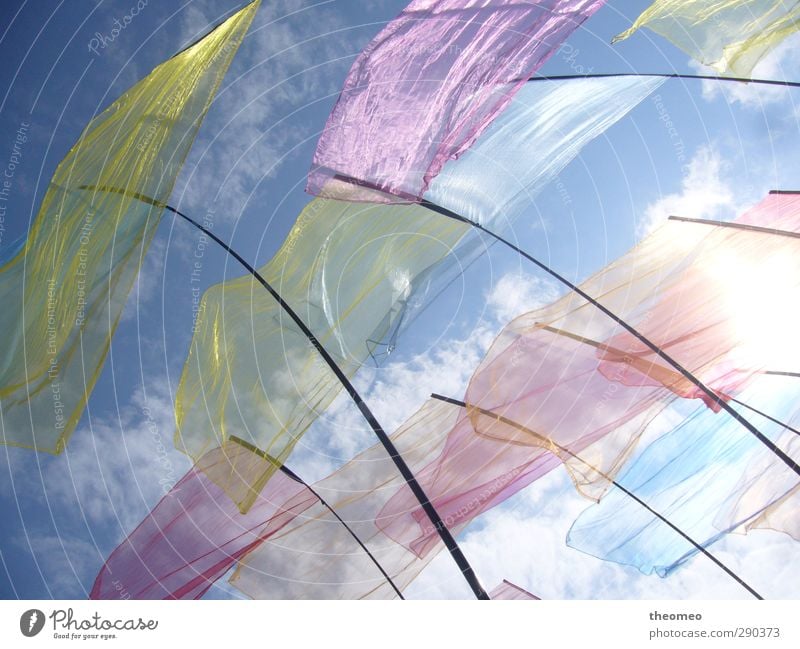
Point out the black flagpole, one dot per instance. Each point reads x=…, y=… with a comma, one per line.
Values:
x=703, y=77
x=737, y=226
x=419, y=493
x=380, y=433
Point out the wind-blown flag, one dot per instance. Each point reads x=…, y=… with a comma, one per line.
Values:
x=729, y=314
x=195, y=533
x=781, y=515
x=708, y=476
x=767, y=485
x=427, y=86
x=64, y=291
x=557, y=419
x=541, y=131
x=731, y=36
x=289, y=544
x=508, y=591
x=552, y=386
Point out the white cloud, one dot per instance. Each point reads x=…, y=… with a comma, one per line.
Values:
x=75, y=507
x=515, y=294
x=67, y=565
x=114, y=469
x=394, y=392
x=290, y=59
x=706, y=192
x=149, y=280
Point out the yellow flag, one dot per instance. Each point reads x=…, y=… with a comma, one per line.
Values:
x=349, y=271
x=729, y=35
x=64, y=291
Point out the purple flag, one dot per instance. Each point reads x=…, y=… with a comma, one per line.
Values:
x=427, y=86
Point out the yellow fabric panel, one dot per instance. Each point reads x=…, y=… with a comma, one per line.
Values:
x=347, y=269
x=64, y=292
x=729, y=35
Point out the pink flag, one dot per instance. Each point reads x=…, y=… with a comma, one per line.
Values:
x=508, y=591
x=427, y=86
x=196, y=533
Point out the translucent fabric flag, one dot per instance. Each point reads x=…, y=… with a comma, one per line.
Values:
x=195, y=533
x=64, y=291
x=771, y=480
x=507, y=590
x=778, y=210
x=428, y=85
x=729, y=35
x=543, y=129
x=348, y=270
x=314, y=557
x=566, y=380
x=729, y=313
x=690, y=475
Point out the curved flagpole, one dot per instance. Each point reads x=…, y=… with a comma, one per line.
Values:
x=604, y=475
x=765, y=415
x=703, y=77
x=293, y=476
x=380, y=433
x=689, y=376
x=438, y=524
x=794, y=375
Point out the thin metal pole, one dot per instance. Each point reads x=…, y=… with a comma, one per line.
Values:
x=617, y=352
x=766, y=416
x=627, y=492
x=737, y=226
x=704, y=77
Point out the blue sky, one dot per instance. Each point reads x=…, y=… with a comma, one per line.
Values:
x=61, y=516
